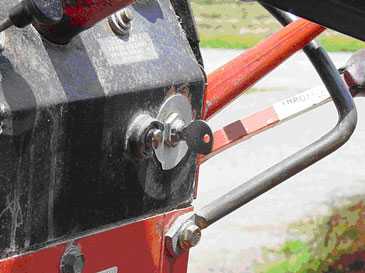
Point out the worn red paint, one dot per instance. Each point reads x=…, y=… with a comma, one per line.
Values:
x=86, y=13
x=229, y=81
x=136, y=248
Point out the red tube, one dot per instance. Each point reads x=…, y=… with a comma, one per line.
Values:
x=80, y=15
x=232, y=79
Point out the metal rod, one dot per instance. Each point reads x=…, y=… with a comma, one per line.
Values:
x=5, y=24
x=232, y=79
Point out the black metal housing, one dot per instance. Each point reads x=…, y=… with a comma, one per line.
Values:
x=64, y=111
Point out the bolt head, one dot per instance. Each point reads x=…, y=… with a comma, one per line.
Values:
x=120, y=22
x=72, y=261
x=190, y=236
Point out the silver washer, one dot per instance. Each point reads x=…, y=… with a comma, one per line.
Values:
x=169, y=156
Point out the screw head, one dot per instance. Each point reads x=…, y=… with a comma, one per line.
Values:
x=190, y=236
x=72, y=260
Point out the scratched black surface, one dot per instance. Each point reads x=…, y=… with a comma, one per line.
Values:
x=63, y=169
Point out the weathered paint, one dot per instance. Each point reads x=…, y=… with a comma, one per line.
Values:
x=67, y=110
x=80, y=15
x=85, y=13
x=136, y=247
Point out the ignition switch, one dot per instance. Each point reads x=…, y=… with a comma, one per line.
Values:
x=170, y=135
x=181, y=132
x=34, y=11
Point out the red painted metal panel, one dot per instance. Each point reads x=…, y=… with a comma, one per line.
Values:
x=232, y=79
x=134, y=248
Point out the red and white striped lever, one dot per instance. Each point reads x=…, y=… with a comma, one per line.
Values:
x=274, y=115
x=263, y=120
x=240, y=130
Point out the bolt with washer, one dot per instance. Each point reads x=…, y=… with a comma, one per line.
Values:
x=120, y=22
x=190, y=236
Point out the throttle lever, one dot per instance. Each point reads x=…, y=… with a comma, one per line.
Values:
x=170, y=135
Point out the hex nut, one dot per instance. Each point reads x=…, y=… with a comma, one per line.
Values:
x=190, y=236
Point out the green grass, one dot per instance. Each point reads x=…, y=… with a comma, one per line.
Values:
x=321, y=244
x=229, y=41
x=339, y=42
x=233, y=24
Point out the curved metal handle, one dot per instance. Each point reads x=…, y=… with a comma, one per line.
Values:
x=301, y=160
x=287, y=168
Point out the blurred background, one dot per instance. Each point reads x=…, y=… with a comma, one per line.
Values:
x=233, y=24
x=314, y=222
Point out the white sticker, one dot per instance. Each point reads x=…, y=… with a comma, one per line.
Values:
x=110, y=270
x=301, y=102
x=137, y=48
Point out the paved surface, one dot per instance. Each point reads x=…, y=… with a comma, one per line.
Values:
x=234, y=244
